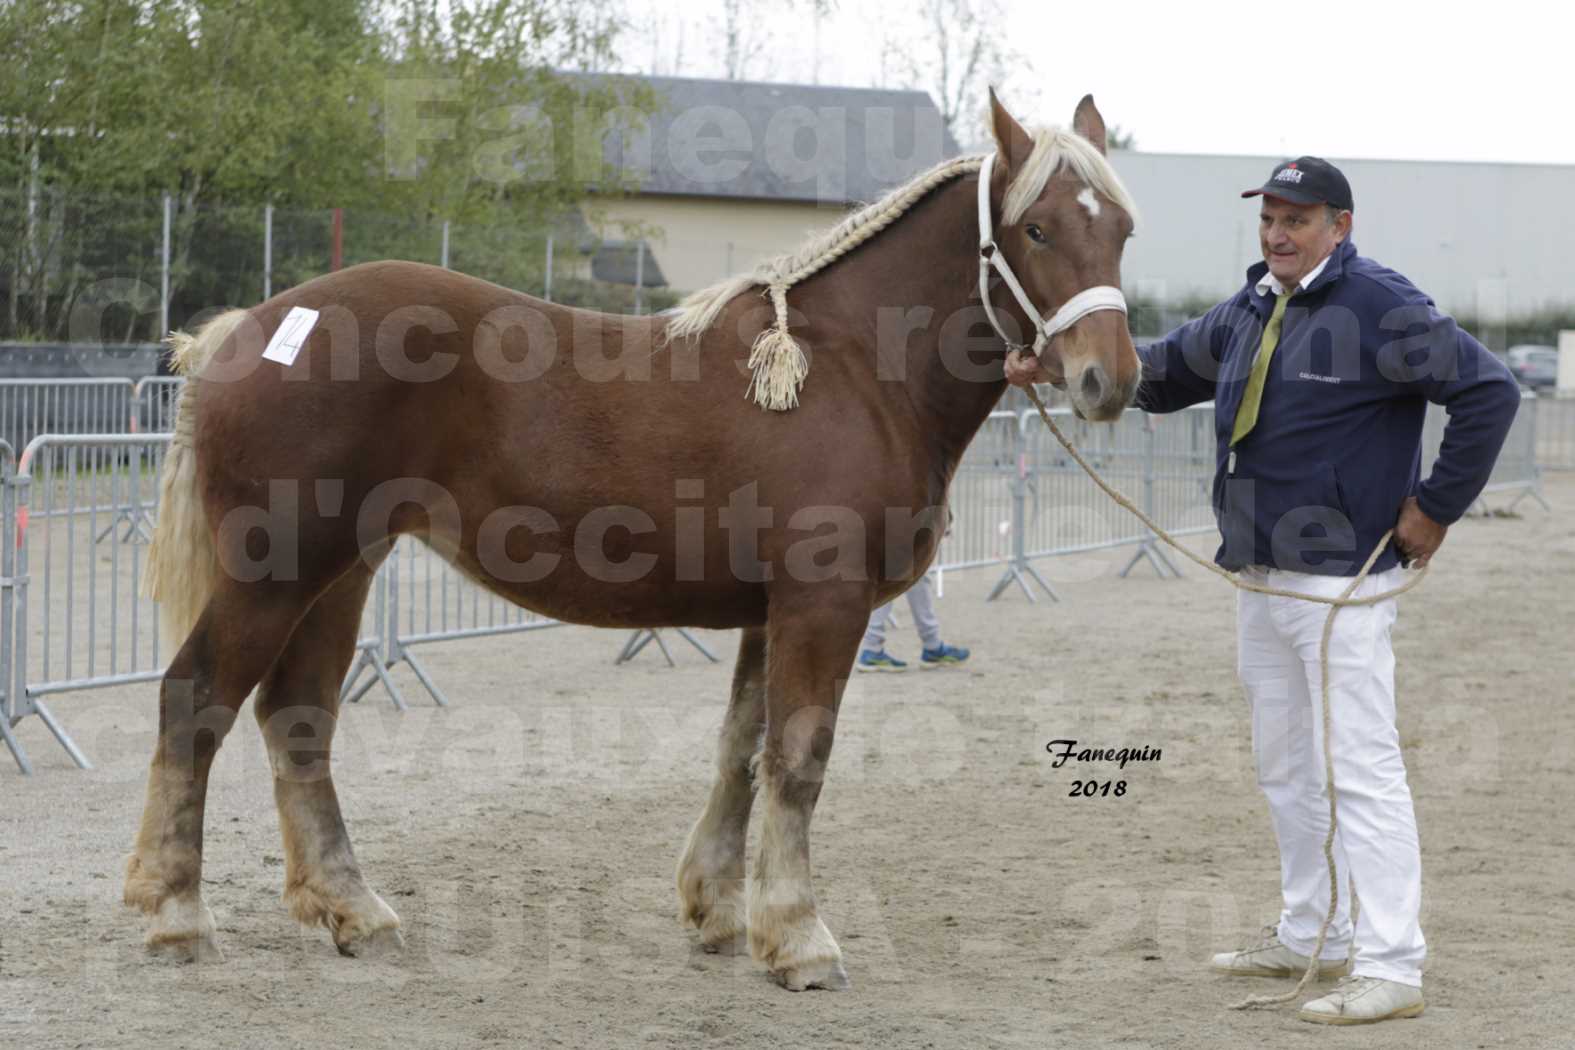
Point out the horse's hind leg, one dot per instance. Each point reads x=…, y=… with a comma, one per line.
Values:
x=297, y=708
x=240, y=633
x=711, y=871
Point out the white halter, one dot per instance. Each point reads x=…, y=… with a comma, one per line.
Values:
x=1089, y=300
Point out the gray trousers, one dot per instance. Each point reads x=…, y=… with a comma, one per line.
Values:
x=921, y=599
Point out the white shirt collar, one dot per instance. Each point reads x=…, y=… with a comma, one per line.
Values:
x=1270, y=283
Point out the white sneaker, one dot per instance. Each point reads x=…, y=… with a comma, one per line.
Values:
x=1364, y=1000
x=1270, y=958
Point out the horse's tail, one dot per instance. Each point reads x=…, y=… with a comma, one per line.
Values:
x=183, y=562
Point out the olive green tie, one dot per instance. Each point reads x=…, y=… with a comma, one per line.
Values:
x=1247, y=411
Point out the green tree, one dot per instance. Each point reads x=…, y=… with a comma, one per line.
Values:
x=228, y=105
x=1117, y=137
x=486, y=125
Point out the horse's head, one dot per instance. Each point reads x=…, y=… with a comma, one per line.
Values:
x=1062, y=223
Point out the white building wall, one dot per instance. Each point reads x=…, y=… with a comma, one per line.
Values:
x=1491, y=240
x=698, y=241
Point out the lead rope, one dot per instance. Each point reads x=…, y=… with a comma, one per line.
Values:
x=1335, y=605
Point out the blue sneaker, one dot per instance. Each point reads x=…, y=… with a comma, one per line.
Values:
x=942, y=655
x=870, y=660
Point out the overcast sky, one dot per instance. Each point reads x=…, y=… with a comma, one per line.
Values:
x=1440, y=81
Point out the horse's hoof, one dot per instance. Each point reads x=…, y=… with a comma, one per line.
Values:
x=736, y=944
x=187, y=950
x=724, y=931
x=721, y=921
x=828, y=975
x=379, y=944
x=361, y=924
x=183, y=931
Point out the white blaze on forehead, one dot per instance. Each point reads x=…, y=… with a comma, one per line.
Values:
x=1089, y=201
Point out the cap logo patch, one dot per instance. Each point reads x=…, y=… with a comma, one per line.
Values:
x=1291, y=175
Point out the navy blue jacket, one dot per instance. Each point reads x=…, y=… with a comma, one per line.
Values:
x=1337, y=444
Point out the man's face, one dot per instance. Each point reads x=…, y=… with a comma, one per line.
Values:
x=1297, y=237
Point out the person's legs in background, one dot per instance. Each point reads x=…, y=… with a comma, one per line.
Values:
x=921, y=599
x=872, y=653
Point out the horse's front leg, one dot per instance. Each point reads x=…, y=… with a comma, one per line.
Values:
x=711, y=870
x=813, y=634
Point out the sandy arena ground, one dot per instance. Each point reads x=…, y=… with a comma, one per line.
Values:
x=527, y=837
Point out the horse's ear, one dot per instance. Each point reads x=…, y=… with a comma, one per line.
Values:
x=1088, y=123
x=1013, y=143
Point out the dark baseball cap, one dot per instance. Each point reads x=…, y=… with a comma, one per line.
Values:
x=1307, y=180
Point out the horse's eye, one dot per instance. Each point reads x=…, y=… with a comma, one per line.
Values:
x=1035, y=234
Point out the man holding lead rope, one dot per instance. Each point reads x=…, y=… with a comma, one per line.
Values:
x=1320, y=369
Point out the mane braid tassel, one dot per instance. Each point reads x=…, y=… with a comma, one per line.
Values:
x=777, y=362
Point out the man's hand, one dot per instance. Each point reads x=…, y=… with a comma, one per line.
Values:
x=1024, y=369
x=1416, y=534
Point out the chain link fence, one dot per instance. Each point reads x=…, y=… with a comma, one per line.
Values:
x=83, y=268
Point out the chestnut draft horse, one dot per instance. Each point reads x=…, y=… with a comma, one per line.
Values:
x=618, y=472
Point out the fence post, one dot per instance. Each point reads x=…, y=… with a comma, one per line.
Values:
x=164, y=272
x=9, y=680
x=443, y=260
x=639, y=276
x=388, y=618
x=388, y=652
x=1018, y=570
x=20, y=702
x=20, y=485
x=396, y=648
x=1147, y=548
x=1533, y=471
x=378, y=657
x=546, y=292
x=267, y=252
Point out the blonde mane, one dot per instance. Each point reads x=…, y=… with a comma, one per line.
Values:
x=777, y=362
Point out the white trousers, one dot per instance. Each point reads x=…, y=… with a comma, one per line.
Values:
x=1375, y=848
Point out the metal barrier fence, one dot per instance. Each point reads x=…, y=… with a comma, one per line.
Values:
x=9, y=715
x=29, y=407
x=81, y=514
x=81, y=510
x=372, y=648
x=153, y=404
x=1018, y=497
x=1555, y=433
x=981, y=500
x=431, y=601
x=1517, y=469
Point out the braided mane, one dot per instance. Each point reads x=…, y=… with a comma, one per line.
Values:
x=776, y=360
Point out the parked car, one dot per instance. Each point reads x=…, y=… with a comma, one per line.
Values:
x=1533, y=366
